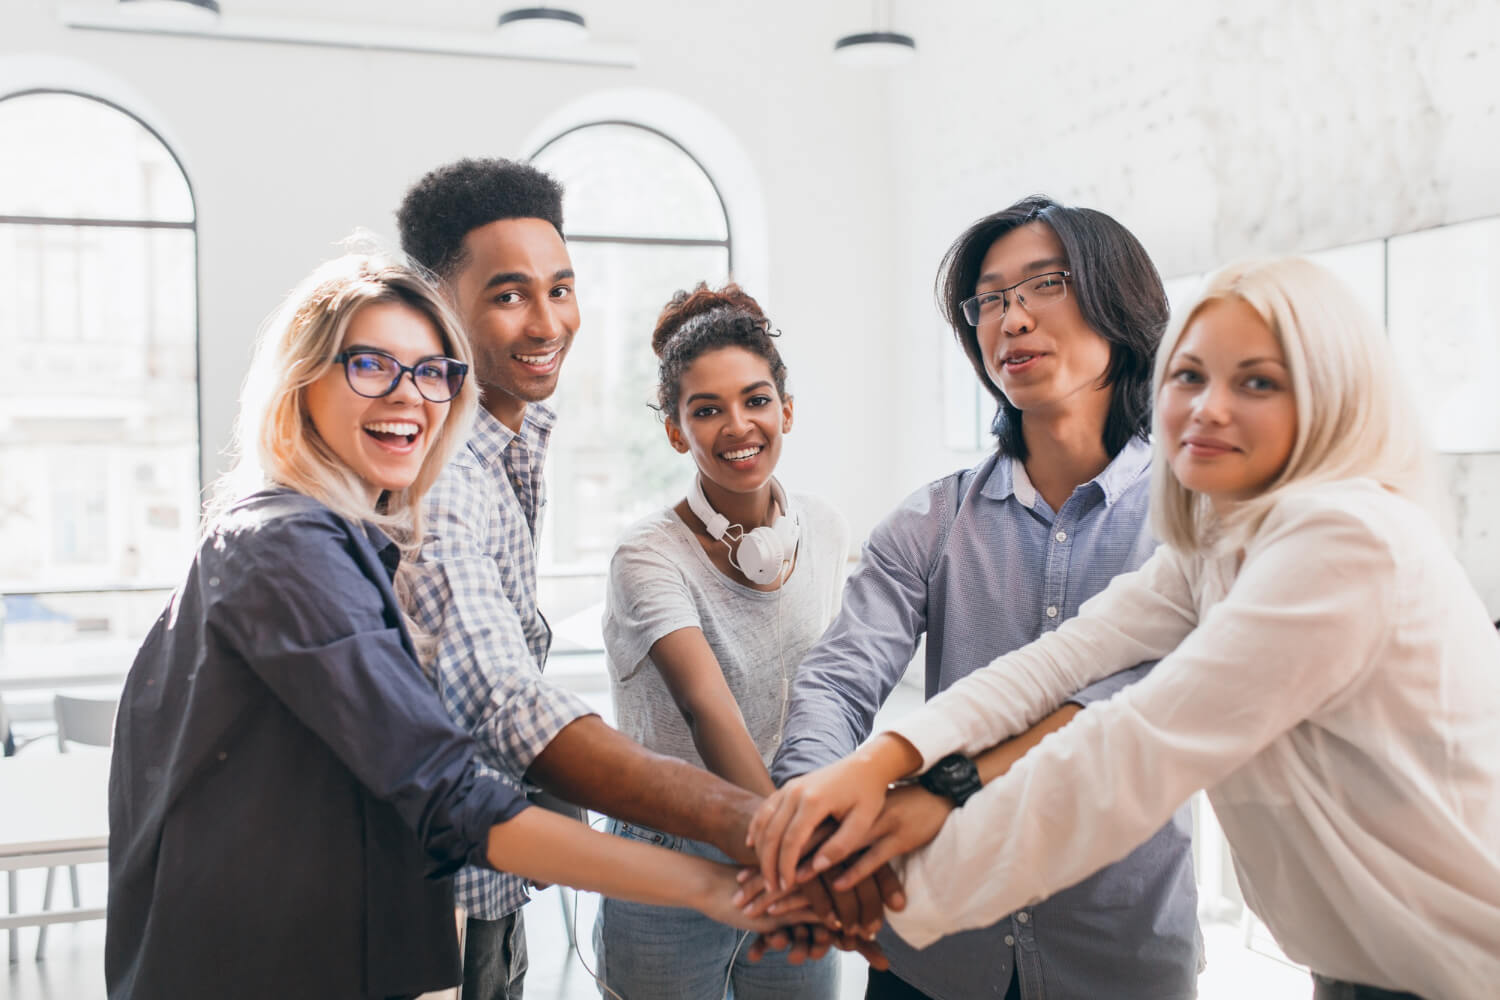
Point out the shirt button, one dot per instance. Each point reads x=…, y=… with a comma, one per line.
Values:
x=1023, y=917
x=1010, y=941
x=1062, y=536
x=1052, y=612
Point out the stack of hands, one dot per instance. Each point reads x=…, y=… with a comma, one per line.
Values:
x=824, y=843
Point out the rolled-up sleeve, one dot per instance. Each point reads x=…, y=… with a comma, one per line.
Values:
x=486, y=673
x=315, y=629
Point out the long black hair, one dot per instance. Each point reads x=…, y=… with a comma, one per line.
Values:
x=1119, y=292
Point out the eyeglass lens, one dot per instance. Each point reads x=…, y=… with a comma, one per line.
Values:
x=1037, y=291
x=374, y=375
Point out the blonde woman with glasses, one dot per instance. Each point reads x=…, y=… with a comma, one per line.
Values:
x=1327, y=673
x=287, y=793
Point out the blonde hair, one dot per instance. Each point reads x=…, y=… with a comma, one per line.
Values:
x=275, y=442
x=1355, y=418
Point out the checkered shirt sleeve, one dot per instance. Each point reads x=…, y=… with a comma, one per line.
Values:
x=487, y=675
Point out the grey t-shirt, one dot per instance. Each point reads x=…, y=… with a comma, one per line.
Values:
x=661, y=580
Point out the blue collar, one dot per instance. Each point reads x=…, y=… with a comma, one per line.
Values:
x=1008, y=477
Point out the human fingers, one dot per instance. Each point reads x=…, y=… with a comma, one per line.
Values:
x=874, y=857
x=853, y=833
x=872, y=952
x=890, y=888
x=871, y=909
x=769, y=827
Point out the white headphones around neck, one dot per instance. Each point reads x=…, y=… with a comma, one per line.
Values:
x=762, y=554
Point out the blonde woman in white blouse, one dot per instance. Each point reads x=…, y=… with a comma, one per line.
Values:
x=1327, y=673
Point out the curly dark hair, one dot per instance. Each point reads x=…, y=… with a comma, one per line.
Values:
x=705, y=319
x=452, y=201
x=1120, y=295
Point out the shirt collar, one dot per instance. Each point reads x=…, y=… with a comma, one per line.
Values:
x=388, y=551
x=1008, y=476
x=490, y=437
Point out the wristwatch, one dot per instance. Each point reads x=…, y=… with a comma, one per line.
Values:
x=954, y=777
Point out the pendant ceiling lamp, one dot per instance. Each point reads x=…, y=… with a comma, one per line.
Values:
x=200, y=10
x=879, y=46
x=542, y=26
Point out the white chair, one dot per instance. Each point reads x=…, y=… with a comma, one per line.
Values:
x=87, y=721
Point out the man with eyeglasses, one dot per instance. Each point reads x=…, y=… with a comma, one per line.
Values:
x=491, y=230
x=1059, y=311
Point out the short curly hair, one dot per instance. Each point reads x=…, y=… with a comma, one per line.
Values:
x=694, y=323
x=452, y=201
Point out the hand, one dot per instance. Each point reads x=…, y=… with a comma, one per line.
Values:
x=851, y=791
x=716, y=894
x=802, y=943
x=911, y=818
x=820, y=940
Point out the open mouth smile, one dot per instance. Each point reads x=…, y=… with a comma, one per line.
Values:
x=540, y=363
x=742, y=457
x=394, y=435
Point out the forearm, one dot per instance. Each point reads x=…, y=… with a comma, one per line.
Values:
x=999, y=759
x=595, y=766
x=548, y=848
x=727, y=749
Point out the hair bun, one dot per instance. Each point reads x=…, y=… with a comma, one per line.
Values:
x=702, y=300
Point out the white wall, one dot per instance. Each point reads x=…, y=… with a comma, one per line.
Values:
x=291, y=148
x=1211, y=130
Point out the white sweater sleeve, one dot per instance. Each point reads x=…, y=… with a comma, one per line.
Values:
x=1140, y=616
x=1300, y=624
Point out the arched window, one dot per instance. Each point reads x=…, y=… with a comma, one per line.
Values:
x=99, y=429
x=643, y=220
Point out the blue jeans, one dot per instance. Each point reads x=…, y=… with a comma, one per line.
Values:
x=669, y=953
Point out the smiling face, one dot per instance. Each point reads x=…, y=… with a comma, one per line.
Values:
x=1228, y=415
x=385, y=440
x=515, y=294
x=730, y=419
x=1050, y=359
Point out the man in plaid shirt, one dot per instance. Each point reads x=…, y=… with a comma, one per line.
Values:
x=491, y=230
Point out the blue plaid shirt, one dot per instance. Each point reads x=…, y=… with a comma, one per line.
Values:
x=980, y=564
x=476, y=591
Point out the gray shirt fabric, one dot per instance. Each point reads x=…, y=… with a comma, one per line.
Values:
x=661, y=580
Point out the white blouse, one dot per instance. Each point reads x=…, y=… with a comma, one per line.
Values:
x=1339, y=697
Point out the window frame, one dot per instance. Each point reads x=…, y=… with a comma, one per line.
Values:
x=190, y=225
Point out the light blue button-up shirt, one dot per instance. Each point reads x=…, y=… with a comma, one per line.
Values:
x=980, y=564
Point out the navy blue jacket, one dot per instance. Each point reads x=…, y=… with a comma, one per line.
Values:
x=287, y=793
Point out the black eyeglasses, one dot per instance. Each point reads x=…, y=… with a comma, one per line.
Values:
x=1037, y=291
x=373, y=374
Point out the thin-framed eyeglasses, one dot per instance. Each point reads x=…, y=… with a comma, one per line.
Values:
x=1035, y=292
x=373, y=374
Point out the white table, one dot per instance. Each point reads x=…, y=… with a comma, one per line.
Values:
x=54, y=810
x=86, y=663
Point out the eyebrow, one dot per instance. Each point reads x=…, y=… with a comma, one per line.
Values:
x=1033, y=268
x=522, y=278
x=1186, y=355
x=762, y=384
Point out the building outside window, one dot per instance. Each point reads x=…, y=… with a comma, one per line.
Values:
x=643, y=219
x=99, y=429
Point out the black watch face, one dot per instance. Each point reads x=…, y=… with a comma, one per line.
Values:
x=952, y=769
x=955, y=777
